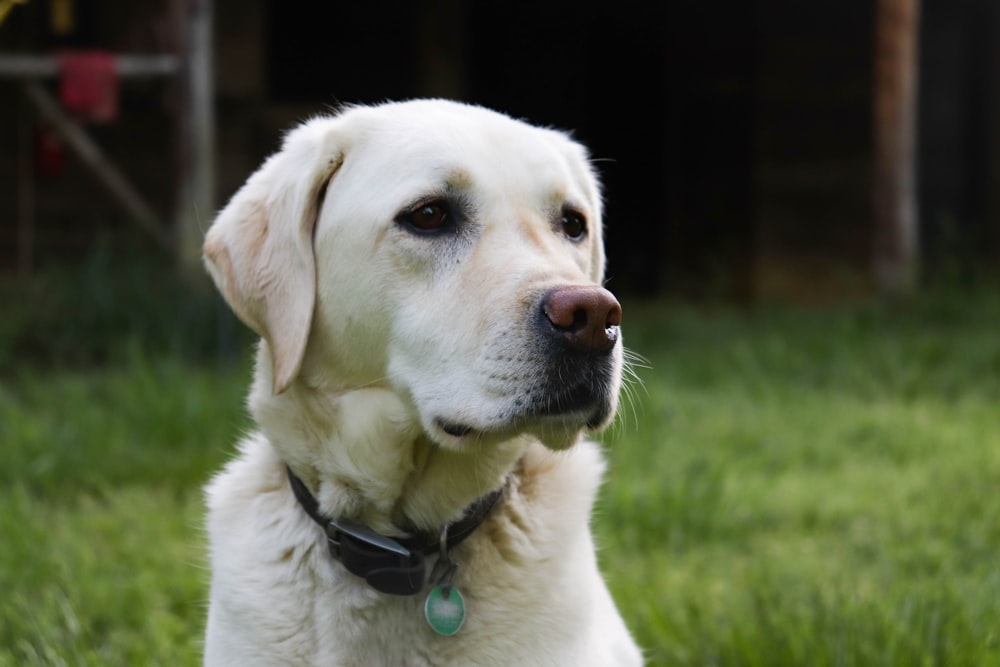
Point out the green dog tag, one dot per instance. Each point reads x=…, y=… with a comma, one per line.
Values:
x=444, y=610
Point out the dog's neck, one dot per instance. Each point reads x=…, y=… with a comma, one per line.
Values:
x=364, y=456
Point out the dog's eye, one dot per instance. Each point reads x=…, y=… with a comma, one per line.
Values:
x=574, y=225
x=429, y=217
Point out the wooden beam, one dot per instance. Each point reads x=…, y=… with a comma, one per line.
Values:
x=196, y=197
x=895, y=216
x=115, y=182
x=127, y=66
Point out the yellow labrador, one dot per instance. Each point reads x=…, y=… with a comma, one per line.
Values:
x=426, y=280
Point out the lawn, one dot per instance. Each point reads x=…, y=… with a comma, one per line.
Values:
x=787, y=487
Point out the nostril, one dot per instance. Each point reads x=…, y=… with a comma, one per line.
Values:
x=580, y=319
x=566, y=319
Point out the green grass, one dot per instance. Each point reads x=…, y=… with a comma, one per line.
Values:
x=787, y=488
x=102, y=557
x=812, y=488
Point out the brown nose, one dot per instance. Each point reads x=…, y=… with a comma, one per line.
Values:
x=585, y=317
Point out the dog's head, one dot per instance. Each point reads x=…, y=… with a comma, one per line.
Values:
x=444, y=251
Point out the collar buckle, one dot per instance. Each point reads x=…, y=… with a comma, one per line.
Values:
x=387, y=566
x=335, y=528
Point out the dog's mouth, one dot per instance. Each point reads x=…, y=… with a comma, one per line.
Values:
x=584, y=400
x=453, y=429
x=555, y=402
x=556, y=418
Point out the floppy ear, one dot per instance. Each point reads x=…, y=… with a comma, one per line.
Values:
x=259, y=250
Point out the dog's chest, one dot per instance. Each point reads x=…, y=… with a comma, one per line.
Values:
x=532, y=592
x=393, y=632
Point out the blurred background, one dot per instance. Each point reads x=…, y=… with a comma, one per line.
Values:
x=745, y=146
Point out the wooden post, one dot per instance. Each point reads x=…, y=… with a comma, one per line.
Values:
x=895, y=229
x=196, y=197
x=25, y=193
x=441, y=48
x=992, y=12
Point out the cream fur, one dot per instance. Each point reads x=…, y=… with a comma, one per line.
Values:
x=373, y=337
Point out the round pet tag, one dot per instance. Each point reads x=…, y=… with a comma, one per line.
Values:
x=444, y=610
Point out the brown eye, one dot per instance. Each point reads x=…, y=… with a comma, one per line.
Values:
x=429, y=217
x=574, y=225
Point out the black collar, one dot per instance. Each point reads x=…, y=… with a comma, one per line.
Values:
x=393, y=565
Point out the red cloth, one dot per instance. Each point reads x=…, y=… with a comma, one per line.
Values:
x=88, y=85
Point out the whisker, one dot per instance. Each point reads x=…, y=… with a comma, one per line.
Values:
x=631, y=380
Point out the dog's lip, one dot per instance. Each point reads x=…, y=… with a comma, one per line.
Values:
x=585, y=417
x=454, y=429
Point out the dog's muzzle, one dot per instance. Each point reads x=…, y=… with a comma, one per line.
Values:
x=580, y=329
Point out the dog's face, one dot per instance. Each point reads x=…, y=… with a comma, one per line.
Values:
x=445, y=251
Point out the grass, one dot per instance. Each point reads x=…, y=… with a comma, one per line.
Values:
x=788, y=488
x=812, y=488
x=102, y=561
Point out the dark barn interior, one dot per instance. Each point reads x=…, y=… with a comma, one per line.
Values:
x=735, y=139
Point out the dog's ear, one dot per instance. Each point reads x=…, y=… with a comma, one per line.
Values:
x=259, y=250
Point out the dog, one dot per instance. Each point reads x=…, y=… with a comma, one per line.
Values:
x=426, y=280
